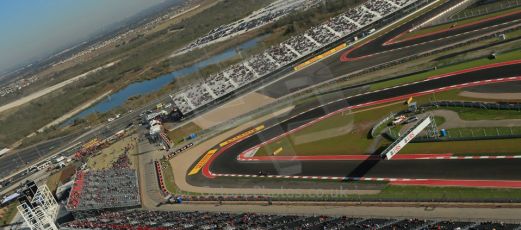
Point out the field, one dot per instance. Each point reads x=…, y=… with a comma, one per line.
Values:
x=179, y=134
x=509, y=56
x=7, y=214
x=444, y=193
x=109, y=155
x=348, y=133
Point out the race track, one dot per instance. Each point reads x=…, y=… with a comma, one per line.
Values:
x=224, y=163
x=333, y=66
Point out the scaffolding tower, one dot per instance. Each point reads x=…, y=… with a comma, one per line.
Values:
x=38, y=207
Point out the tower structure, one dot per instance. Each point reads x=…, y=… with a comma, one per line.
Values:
x=38, y=207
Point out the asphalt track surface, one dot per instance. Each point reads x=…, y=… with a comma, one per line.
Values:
x=225, y=161
x=483, y=169
x=333, y=67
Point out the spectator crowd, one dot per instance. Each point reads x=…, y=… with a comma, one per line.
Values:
x=205, y=220
x=103, y=189
x=218, y=85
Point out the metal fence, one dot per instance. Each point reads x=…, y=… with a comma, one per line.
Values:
x=476, y=104
x=324, y=88
x=471, y=133
x=380, y=123
x=484, y=10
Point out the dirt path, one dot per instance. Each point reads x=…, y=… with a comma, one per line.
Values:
x=234, y=108
x=496, y=96
x=453, y=120
x=53, y=88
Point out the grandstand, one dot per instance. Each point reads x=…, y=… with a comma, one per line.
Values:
x=259, y=18
x=216, y=86
x=110, y=189
x=206, y=220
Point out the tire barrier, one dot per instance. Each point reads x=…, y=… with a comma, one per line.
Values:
x=160, y=180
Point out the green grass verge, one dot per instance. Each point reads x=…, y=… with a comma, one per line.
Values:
x=439, y=120
x=509, y=56
x=344, y=133
x=10, y=213
x=459, y=193
x=168, y=176
x=179, y=134
x=436, y=28
x=482, y=147
x=483, y=132
x=348, y=133
x=473, y=114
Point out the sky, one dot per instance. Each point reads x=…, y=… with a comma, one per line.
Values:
x=36, y=28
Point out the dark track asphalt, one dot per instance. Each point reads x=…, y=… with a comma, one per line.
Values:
x=332, y=67
x=507, y=169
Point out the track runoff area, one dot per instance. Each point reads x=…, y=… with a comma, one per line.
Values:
x=232, y=157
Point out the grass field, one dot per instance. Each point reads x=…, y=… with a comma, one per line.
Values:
x=459, y=193
x=344, y=133
x=457, y=23
x=483, y=132
x=8, y=213
x=168, y=176
x=509, y=56
x=179, y=134
x=348, y=133
x=472, y=114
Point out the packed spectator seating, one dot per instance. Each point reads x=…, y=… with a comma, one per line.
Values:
x=381, y=7
x=361, y=16
x=322, y=35
x=122, y=162
x=281, y=54
x=140, y=219
x=302, y=44
x=181, y=103
x=403, y=2
x=261, y=64
x=407, y=224
x=102, y=189
x=240, y=74
x=199, y=94
x=266, y=15
x=219, y=84
x=341, y=25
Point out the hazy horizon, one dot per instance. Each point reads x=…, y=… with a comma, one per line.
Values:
x=35, y=29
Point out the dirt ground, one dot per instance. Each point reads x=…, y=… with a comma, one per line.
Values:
x=108, y=155
x=453, y=120
x=497, y=96
x=232, y=109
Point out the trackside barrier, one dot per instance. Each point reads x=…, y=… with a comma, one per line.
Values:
x=160, y=179
x=397, y=145
x=462, y=5
x=512, y=106
x=478, y=105
x=381, y=122
x=324, y=88
x=320, y=57
x=475, y=12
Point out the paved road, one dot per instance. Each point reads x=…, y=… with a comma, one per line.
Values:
x=333, y=67
x=493, y=169
x=325, y=70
